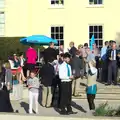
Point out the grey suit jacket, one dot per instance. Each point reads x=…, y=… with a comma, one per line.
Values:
x=76, y=65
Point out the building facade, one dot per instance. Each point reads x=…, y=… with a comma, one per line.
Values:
x=64, y=20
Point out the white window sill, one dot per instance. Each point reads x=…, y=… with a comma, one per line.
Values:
x=95, y=6
x=56, y=6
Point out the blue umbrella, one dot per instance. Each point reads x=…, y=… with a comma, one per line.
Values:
x=92, y=42
x=38, y=40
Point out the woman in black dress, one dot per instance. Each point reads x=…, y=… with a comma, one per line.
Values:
x=5, y=104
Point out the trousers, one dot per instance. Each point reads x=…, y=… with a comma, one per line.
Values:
x=90, y=98
x=33, y=97
x=66, y=96
x=46, y=96
x=76, y=86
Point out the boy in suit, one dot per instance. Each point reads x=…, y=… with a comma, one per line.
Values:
x=66, y=77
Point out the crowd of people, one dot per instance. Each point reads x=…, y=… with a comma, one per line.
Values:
x=61, y=73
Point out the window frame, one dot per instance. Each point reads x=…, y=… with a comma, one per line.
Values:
x=2, y=24
x=59, y=33
x=57, y=5
x=98, y=39
x=95, y=5
x=3, y=5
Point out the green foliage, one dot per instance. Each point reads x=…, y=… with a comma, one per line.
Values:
x=11, y=45
x=105, y=110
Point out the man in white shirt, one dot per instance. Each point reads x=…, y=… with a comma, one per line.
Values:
x=66, y=77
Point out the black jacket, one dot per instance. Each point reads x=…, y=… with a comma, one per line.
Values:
x=50, y=54
x=5, y=104
x=108, y=54
x=47, y=74
x=72, y=51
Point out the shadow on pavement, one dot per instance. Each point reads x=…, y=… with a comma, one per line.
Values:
x=76, y=106
x=25, y=106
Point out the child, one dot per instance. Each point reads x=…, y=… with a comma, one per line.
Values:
x=66, y=77
x=91, y=84
x=8, y=75
x=33, y=85
x=16, y=87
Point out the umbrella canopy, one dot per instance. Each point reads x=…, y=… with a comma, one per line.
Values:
x=38, y=40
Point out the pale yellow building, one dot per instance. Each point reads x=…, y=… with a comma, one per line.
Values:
x=65, y=20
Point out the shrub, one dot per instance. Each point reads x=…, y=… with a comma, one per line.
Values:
x=11, y=45
x=105, y=110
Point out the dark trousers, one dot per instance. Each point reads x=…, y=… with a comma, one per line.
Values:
x=104, y=76
x=97, y=65
x=66, y=96
x=112, y=72
x=56, y=88
x=90, y=98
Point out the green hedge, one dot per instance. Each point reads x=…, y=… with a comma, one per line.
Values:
x=11, y=45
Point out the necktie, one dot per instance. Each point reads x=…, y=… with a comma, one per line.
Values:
x=113, y=55
x=68, y=71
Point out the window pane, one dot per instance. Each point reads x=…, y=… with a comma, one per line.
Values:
x=89, y=42
x=62, y=2
x=95, y=28
x=57, y=36
x=95, y=2
x=100, y=1
x=100, y=28
x=57, y=29
x=57, y=1
x=61, y=29
x=100, y=35
x=91, y=1
x=61, y=42
x=90, y=35
x=52, y=2
x=90, y=28
x=100, y=42
x=52, y=30
x=52, y=36
x=96, y=35
x=96, y=41
x=61, y=36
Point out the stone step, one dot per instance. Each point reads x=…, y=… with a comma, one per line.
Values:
x=103, y=90
x=108, y=94
x=101, y=96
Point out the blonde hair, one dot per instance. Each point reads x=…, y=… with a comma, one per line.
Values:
x=80, y=46
x=7, y=65
x=93, y=63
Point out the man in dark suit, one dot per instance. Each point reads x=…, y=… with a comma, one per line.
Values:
x=73, y=49
x=50, y=54
x=47, y=74
x=77, y=66
x=112, y=56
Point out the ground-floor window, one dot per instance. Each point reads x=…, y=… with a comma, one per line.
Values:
x=2, y=23
x=57, y=32
x=97, y=31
